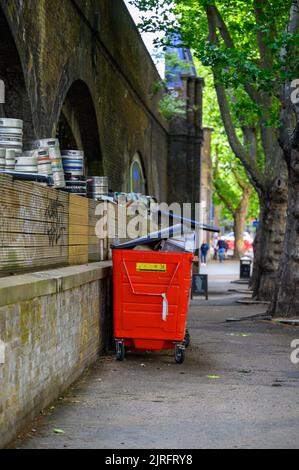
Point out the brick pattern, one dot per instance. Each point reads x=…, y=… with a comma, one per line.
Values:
x=57, y=48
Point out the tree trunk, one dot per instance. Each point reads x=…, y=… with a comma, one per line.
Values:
x=286, y=300
x=240, y=221
x=269, y=241
x=239, y=241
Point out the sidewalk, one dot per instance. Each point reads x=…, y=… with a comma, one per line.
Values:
x=221, y=276
x=237, y=389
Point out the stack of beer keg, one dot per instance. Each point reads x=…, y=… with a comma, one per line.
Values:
x=26, y=163
x=11, y=134
x=10, y=159
x=45, y=158
x=49, y=152
x=97, y=187
x=2, y=159
x=11, y=142
x=73, y=165
x=44, y=164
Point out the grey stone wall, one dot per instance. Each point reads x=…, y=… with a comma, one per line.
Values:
x=53, y=325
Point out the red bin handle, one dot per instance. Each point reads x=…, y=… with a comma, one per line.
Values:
x=163, y=294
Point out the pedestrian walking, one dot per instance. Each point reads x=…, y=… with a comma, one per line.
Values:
x=222, y=245
x=204, y=253
x=215, y=247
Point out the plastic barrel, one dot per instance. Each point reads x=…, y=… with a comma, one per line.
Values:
x=97, y=186
x=11, y=134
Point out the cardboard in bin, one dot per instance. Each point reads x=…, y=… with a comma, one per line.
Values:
x=173, y=239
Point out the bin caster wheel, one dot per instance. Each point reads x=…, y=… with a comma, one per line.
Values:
x=180, y=354
x=187, y=339
x=120, y=351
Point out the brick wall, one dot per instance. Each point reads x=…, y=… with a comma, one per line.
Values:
x=55, y=44
x=53, y=325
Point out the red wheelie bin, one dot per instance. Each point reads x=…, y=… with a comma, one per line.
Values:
x=151, y=300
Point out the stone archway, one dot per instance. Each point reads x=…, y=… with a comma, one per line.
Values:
x=77, y=127
x=17, y=102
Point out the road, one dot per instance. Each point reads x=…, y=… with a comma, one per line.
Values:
x=237, y=388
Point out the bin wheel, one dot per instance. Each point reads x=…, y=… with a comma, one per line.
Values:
x=180, y=354
x=120, y=351
x=187, y=339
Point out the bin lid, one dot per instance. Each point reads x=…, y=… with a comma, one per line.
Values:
x=155, y=237
x=194, y=224
x=246, y=259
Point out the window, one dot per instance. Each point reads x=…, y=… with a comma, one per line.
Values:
x=137, y=183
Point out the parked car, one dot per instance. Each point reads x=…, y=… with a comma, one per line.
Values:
x=248, y=241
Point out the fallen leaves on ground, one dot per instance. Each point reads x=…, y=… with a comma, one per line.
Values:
x=58, y=431
x=240, y=335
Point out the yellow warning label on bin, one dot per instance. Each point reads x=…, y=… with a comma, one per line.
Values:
x=146, y=267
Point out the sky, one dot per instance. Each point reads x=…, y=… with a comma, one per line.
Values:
x=148, y=38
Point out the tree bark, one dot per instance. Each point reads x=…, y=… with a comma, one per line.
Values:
x=286, y=301
x=269, y=241
x=239, y=225
x=286, y=298
x=240, y=221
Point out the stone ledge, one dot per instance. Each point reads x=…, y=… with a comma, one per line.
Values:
x=28, y=286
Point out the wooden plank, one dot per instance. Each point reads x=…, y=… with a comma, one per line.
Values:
x=78, y=250
x=78, y=230
x=36, y=208
x=42, y=227
x=78, y=259
x=23, y=240
x=78, y=201
x=13, y=195
x=97, y=247
x=78, y=217
x=38, y=251
x=33, y=226
x=75, y=239
x=32, y=189
x=12, y=225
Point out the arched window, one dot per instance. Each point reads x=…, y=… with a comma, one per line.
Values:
x=137, y=180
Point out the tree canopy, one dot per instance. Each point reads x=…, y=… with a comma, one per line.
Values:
x=243, y=43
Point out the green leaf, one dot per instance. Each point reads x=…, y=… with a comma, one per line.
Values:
x=58, y=431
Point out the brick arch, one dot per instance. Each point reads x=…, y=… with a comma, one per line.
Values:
x=77, y=126
x=17, y=101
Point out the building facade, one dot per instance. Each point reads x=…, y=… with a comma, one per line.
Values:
x=190, y=162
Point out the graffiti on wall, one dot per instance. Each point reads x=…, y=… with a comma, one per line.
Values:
x=55, y=227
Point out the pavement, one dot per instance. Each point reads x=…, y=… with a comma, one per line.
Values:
x=237, y=389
